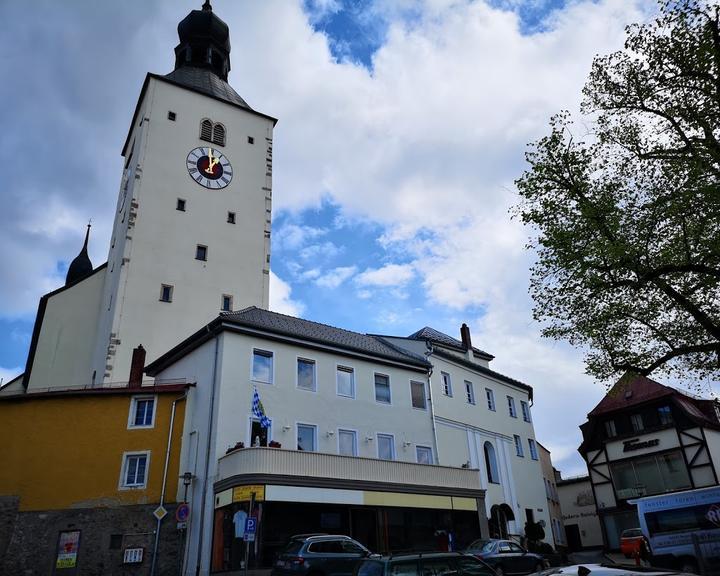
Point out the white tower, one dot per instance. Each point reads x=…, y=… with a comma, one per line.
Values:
x=192, y=225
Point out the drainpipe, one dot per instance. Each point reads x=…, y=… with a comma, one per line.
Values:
x=211, y=413
x=429, y=352
x=164, y=482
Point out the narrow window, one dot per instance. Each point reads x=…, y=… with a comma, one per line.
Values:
x=306, y=374
x=231, y=218
x=201, y=252
x=142, y=413
x=386, y=447
x=511, y=407
x=180, y=205
x=306, y=435
x=134, y=468
x=637, y=422
x=490, y=399
x=262, y=366
x=417, y=392
x=424, y=454
x=491, y=464
x=533, y=449
x=610, y=428
x=446, y=383
x=251, y=140
x=171, y=115
x=525, y=411
x=166, y=293
x=345, y=381
x=469, y=392
x=219, y=134
x=226, y=303
x=518, y=446
x=382, y=388
x=665, y=415
x=206, y=129
x=347, y=442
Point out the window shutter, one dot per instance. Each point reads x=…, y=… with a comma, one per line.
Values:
x=219, y=134
x=206, y=129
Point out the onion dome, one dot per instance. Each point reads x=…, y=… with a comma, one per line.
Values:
x=81, y=266
x=204, y=42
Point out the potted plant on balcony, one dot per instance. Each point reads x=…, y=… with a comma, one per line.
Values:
x=237, y=446
x=274, y=444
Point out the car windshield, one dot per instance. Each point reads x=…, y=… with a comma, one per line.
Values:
x=484, y=545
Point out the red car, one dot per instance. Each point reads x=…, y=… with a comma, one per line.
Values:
x=633, y=543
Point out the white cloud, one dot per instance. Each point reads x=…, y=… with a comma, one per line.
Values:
x=281, y=299
x=333, y=278
x=7, y=374
x=294, y=236
x=390, y=275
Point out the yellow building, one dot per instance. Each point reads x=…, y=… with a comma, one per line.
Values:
x=83, y=471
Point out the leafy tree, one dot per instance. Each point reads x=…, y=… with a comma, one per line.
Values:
x=627, y=221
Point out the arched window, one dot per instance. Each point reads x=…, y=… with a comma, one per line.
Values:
x=219, y=134
x=206, y=130
x=491, y=464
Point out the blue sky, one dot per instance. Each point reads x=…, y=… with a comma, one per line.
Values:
x=403, y=125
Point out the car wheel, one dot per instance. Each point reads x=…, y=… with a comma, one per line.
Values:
x=499, y=571
x=688, y=565
x=539, y=567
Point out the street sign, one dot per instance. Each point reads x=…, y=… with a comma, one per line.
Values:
x=160, y=512
x=250, y=529
x=183, y=512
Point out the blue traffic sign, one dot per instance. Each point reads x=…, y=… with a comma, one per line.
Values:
x=250, y=525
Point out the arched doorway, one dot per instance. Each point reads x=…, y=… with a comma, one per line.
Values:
x=500, y=515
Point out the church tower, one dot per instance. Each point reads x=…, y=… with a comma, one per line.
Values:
x=192, y=226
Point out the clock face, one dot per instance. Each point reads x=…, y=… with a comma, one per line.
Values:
x=209, y=168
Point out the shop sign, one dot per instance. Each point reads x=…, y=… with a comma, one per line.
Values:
x=636, y=444
x=68, y=544
x=244, y=493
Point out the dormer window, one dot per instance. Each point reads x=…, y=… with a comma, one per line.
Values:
x=212, y=132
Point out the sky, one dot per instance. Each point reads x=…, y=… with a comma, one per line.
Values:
x=402, y=127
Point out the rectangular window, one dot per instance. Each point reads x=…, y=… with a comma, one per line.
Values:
x=386, y=446
x=142, y=412
x=637, y=422
x=525, y=410
x=180, y=205
x=382, y=389
x=665, y=415
x=533, y=449
x=251, y=140
x=417, y=392
x=134, y=470
x=469, y=392
x=490, y=399
x=347, y=442
x=306, y=374
x=610, y=428
x=446, y=383
x=345, y=381
x=259, y=436
x=518, y=446
x=649, y=475
x=201, y=252
x=424, y=454
x=511, y=407
x=306, y=437
x=166, y=293
x=171, y=115
x=226, y=303
x=231, y=217
x=262, y=366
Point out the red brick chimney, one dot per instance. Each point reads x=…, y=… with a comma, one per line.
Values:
x=137, y=366
x=467, y=342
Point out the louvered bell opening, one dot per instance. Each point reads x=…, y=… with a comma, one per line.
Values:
x=219, y=134
x=206, y=130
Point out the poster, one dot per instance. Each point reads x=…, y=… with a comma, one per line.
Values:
x=67, y=549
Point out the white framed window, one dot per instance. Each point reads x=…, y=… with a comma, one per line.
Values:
x=533, y=449
x=134, y=470
x=490, y=395
x=346, y=381
x=469, y=392
x=306, y=376
x=417, y=394
x=347, y=442
x=424, y=454
x=262, y=366
x=259, y=436
x=226, y=303
x=511, y=407
x=525, y=411
x=382, y=389
x=307, y=437
x=518, y=446
x=386, y=446
x=142, y=412
x=446, y=383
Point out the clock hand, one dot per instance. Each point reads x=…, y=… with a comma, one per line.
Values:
x=211, y=162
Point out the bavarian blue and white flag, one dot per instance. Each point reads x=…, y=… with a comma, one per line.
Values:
x=258, y=410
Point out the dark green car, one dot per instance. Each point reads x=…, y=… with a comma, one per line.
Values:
x=429, y=564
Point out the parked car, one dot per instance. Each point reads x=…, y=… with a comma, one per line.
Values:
x=506, y=557
x=610, y=570
x=424, y=564
x=632, y=542
x=319, y=555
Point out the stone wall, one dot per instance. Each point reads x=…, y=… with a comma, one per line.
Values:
x=105, y=534
x=8, y=512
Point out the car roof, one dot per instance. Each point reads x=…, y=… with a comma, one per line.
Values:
x=419, y=554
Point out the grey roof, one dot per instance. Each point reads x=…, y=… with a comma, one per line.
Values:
x=277, y=323
x=438, y=337
x=206, y=81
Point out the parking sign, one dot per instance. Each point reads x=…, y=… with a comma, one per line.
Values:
x=250, y=529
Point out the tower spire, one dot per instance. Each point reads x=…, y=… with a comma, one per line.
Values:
x=81, y=266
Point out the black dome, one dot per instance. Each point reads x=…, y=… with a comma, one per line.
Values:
x=204, y=42
x=81, y=266
x=204, y=24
